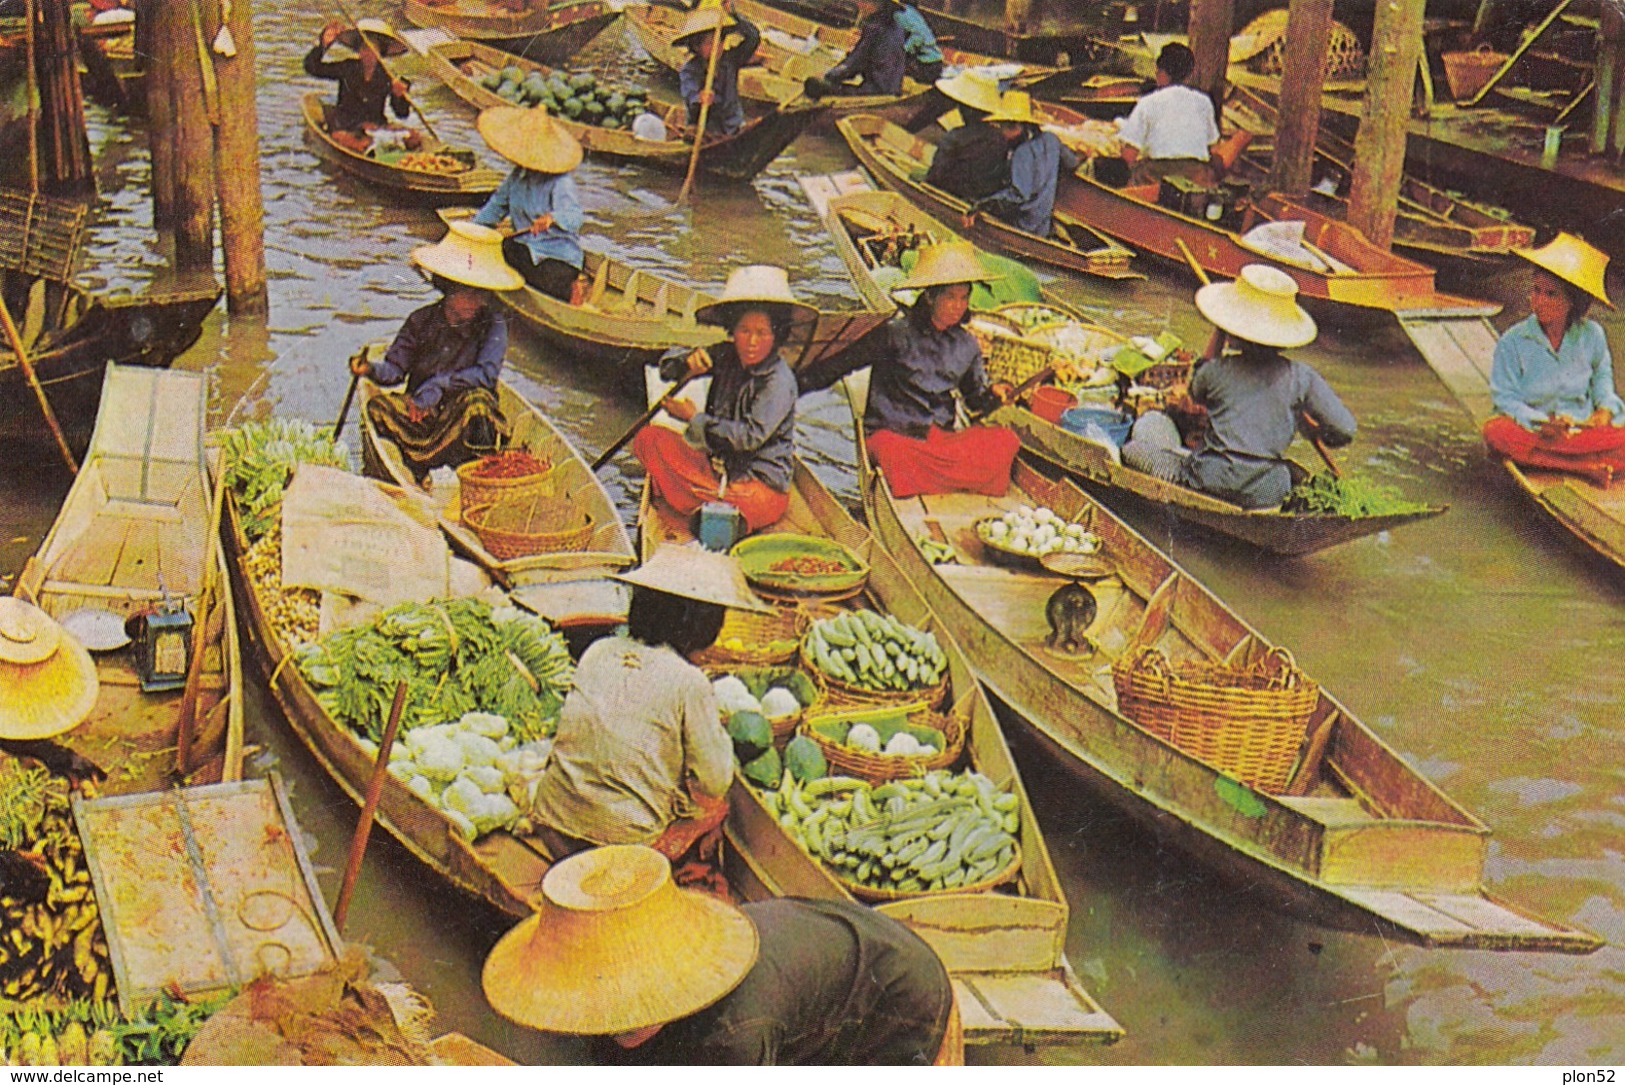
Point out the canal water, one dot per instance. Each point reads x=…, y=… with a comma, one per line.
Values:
x=1483, y=645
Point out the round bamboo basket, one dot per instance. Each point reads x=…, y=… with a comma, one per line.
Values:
x=873, y=895
x=879, y=768
x=838, y=693
x=475, y=490
x=510, y=531
x=756, y=633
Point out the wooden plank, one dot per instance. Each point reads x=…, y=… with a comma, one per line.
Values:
x=138, y=562
x=979, y=932
x=1483, y=914
x=1408, y=913
x=1031, y=1007
x=1461, y=352
x=92, y=557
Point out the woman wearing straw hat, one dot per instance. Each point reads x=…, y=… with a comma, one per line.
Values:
x=1037, y=158
x=641, y=756
x=448, y=353
x=922, y=358
x=698, y=35
x=972, y=160
x=615, y=949
x=1553, y=375
x=538, y=197
x=876, y=60
x=741, y=447
x=364, y=85
x=1256, y=400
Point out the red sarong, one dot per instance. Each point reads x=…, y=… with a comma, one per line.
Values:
x=682, y=475
x=1596, y=452
x=975, y=460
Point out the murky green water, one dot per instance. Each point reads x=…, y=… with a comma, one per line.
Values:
x=1483, y=645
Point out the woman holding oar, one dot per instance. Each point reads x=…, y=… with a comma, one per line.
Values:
x=357, y=120
x=700, y=36
x=538, y=197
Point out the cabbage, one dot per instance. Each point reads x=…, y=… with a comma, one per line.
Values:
x=464, y=825
x=779, y=702
x=488, y=724
x=863, y=737
x=488, y=778
x=477, y=749
x=732, y=696
x=421, y=787
x=402, y=770
x=902, y=744
x=439, y=758
x=464, y=794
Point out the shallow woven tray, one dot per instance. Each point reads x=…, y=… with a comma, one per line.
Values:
x=879, y=768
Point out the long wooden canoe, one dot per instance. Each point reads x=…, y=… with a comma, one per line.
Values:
x=895, y=157
x=564, y=587
x=472, y=183
x=738, y=157
x=1357, y=838
x=631, y=316
x=549, y=33
x=1005, y=951
x=134, y=534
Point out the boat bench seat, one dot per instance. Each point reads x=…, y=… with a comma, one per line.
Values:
x=1332, y=812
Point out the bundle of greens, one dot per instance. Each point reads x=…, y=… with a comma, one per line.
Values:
x=260, y=458
x=456, y=656
x=1351, y=496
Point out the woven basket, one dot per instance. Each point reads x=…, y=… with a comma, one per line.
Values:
x=500, y=491
x=539, y=525
x=869, y=893
x=1466, y=73
x=878, y=768
x=784, y=728
x=756, y=632
x=1247, y=722
x=1010, y=359
x=841, y=694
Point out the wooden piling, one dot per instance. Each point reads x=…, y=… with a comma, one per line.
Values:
x=1211, y=24
x=193, y=139
x=237, y=161
x=1018, y=14
x=1608, y=73
x=1379, y=147
x=151, y=28
x=1303, y=77
x=64, y=151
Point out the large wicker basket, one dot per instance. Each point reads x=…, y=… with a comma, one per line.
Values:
x=839, y=694
x=870, y=893
x=538, y=525
x=878, y=768
x=1468, y=72
x=475, y=490
x=1247, y=722
x=756, y=634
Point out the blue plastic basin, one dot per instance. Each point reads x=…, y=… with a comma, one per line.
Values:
x=1115, y=425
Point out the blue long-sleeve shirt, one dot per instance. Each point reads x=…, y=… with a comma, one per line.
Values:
x=1530, y=382
x=361, y=100
x=876, y=57
x=727, y=114
x=526, y=195
x=918, y=41
x=1028, y=202
x=436, y=358
x=916, y=370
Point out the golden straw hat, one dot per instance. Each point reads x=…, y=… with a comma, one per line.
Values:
x=971, y=88
x=1574, y=261
x=616, y=946
x=1261, y=306
x=530, y=137
x=702, y=20
x=1015, y=107
x=378, y=32
x=754, y=283
x=696, y=573
x=48, y=683
x=945, y=264
x=469, y=254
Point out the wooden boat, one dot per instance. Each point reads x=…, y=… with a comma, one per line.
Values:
x=1004, y=951
x=738, y=157
x=1357, y=837
x=471, y=183
x=631, y=316
x=1032, y=45
x=894, y=157
x=134, y=534
x=570, y=580
x=551, y=33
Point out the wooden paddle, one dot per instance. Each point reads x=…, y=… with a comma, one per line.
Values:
x=27, y=366
x=705, y=107
x=369, y=808
x=208, y=593
x=643, y=420
x=427, y=127
x=349, y=397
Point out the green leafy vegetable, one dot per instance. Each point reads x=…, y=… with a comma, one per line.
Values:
x=1349, y=496
x=260, y=458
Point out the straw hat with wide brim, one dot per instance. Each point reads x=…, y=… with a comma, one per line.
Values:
x=762, y=285
x=696, y=573
x=615, y=946
x=530, y=137
x=1015, y=107
x=701, y=21
x=378, y=32
x=945, y=264
x=1261, y=306
x=972, y=89
x=1574, y=261
x=470, y=254
x=48, y=683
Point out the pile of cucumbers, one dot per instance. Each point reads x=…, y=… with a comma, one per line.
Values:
x=577, y=97
x=875, y=652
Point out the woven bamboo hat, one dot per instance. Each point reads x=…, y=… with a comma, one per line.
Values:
x=1574, y=261
x=616, y=946
x=759, y=284
x=48, y=683
x=945, y=264
x=696, y=573
x=972, y=89
x=379, y=33
x=530, y=137
x=702, y=20
x=1261, y=306
x=469, y=254
x=1015, y=107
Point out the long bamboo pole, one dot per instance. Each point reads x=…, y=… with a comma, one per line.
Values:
x=377, y=48
x=705, y=107
x=27, y=366
x=33, y=105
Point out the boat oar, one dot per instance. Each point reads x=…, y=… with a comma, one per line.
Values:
x=27, y=366
x=1021, y=389
x=643, y=420
x=349, y=396
x=705, y=107
x=207, y=596
x=377, y=48
x=369, y=808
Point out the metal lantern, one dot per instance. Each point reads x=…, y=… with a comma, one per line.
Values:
x=162, y=642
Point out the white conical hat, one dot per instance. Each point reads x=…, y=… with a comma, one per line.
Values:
x=754, y=283
x=470, y=254
x=1261, y=306
x=696, y=573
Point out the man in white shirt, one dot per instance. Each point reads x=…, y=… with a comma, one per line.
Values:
x=1172, y=130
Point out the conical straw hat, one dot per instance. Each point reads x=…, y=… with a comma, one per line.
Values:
x=1573, y=261
x=702, y=20
x=378, y=32
x=754, y=283
x=1261, y=307
x=696, y=573
x=531, y=138
x=616, y=946
x=48, y=683
x=945, y=264
x=971, y=88
x=469, y=254
x=1015, y=107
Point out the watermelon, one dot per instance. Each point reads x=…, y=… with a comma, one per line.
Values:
x=766, y=770
x=751, y=734
x=804, y=759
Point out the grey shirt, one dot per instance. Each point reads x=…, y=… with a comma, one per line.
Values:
x=749, y=421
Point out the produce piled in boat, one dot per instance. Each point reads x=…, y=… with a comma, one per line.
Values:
x=1349, y=495
x=471, y=770
x=1034, y=532
x=579, y=96
x=260, y=458
x=874, y=652
x=296, y=613
x=774, y=692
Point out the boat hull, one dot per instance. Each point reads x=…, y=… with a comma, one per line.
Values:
x=551, y=35
x=471, y=186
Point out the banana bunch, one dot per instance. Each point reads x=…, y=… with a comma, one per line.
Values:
x=295, y=612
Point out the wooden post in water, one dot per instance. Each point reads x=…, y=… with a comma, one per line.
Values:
x=237, y=161
x=65, y=166
x=1018, y=14
x=1303, y=76
x=1610, y=52
x=151, y=30
x=1211, y=24
x=1379, y=148
x=193, y=140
